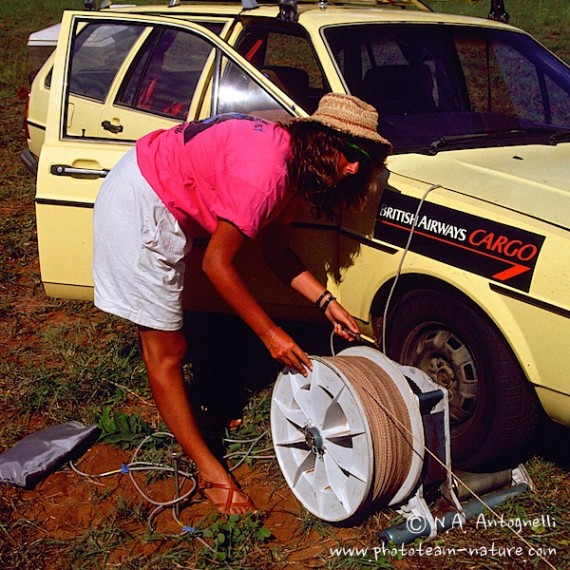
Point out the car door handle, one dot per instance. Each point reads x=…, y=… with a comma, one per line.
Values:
x=66, y=170
x=108, y=126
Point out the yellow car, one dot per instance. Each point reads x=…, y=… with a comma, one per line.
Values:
x=460, y=268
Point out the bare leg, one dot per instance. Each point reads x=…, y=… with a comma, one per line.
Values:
x=163, y=354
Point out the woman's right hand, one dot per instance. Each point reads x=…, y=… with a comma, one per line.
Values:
x=284, y=349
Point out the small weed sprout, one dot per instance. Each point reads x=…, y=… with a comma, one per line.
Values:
x=232, y=539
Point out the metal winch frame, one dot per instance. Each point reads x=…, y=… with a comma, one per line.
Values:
x=323, y=444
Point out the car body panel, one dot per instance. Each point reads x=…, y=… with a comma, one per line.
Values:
x=370, y=263
x=510, y=177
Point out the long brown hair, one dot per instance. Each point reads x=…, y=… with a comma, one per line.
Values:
x=314, y=174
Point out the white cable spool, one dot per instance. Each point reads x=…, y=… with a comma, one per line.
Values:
x=323, y=441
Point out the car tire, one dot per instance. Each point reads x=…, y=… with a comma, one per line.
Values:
x=493, y=409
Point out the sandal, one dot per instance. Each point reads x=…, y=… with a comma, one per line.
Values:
x=231, y=488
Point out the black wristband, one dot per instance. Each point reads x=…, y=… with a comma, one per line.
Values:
x=320, y=299
x=327, y=303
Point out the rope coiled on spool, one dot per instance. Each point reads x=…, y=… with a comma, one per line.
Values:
x=392, y=442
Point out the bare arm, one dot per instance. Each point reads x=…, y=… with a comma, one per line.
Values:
x=219, y=266
x=285, y=263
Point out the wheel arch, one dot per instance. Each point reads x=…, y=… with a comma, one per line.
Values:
x=411, y=281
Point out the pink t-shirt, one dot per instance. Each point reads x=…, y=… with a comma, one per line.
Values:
x=227, y=167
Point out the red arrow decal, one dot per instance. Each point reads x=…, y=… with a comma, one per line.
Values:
x=510, y=273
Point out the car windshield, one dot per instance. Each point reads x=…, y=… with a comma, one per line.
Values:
x=439, y=87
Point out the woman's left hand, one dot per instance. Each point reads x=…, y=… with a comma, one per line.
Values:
x=344, y=323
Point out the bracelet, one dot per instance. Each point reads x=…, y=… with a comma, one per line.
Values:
x=327, y=303
x=320, y=299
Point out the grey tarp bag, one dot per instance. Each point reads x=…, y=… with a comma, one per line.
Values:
x=45, y=451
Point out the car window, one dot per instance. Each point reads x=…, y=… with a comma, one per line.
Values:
x=237, y=92
x=98, y=52
x=165, y=74
x=286, y=58
x=453, y=85
x=152, y=80
x=495, y=83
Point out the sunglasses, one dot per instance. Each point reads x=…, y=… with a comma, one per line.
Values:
x=354, y=153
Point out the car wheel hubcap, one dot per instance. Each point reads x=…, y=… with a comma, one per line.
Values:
x=447, y=360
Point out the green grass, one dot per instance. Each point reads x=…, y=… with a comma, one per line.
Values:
x=73, y=371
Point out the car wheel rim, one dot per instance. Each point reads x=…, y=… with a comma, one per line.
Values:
x=447, y=360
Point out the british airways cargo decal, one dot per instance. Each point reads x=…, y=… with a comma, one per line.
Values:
x=493, y=250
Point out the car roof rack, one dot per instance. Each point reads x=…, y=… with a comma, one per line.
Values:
x=288, y=8
x=397, y=3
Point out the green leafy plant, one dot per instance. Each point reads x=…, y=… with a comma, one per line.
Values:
x=232, y=539
x=121, y=429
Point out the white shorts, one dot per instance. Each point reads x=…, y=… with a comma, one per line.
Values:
x=139, y=250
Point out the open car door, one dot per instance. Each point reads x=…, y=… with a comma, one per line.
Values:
x=117, y=77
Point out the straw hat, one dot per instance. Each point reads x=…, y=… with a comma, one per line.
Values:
x=349, y=115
